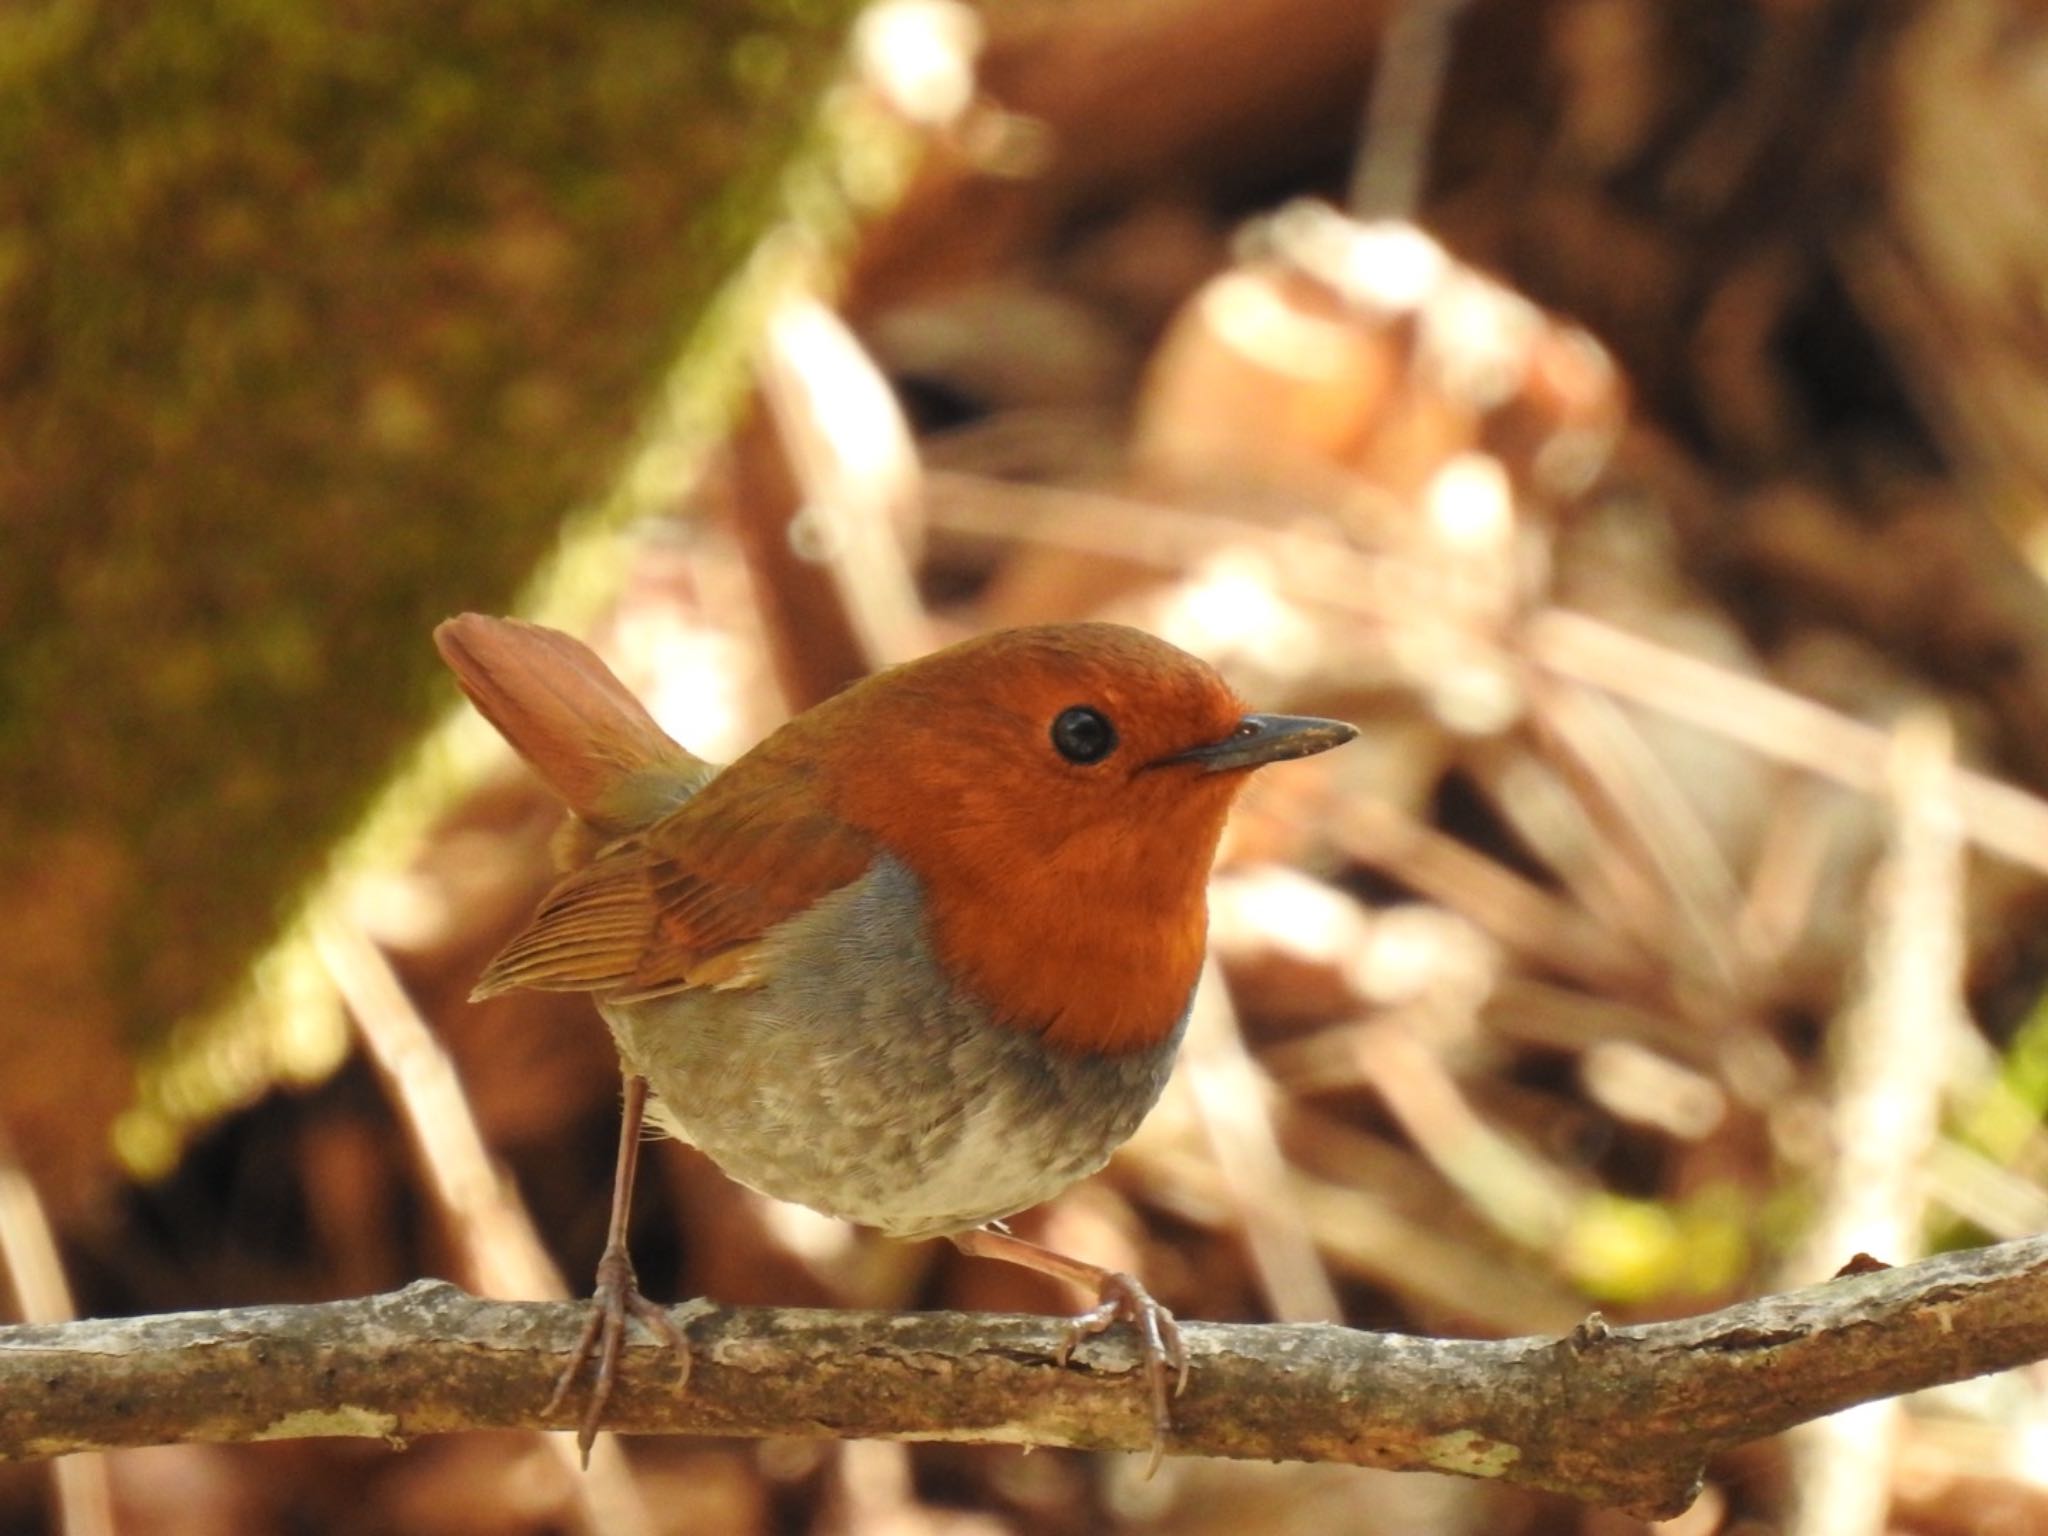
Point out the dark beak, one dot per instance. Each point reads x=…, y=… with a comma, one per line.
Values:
x=1262, y=739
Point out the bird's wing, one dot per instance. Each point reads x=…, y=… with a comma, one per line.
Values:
x=686, y=903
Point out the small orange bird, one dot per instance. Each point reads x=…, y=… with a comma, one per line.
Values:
x=921, y=959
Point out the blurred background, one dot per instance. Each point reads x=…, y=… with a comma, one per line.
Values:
x=1632, y=413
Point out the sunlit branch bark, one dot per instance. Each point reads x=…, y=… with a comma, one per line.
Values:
x=1623, y=1416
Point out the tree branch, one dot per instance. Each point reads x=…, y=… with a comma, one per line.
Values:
x=1623, y=1416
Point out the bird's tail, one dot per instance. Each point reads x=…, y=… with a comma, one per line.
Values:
x=576, y=724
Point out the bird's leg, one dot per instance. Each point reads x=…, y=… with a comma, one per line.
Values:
x=618, y=1292
x=1119, y=1298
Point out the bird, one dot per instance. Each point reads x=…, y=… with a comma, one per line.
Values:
x=921, y=959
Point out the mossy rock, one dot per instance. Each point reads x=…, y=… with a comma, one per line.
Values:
x=314, y=321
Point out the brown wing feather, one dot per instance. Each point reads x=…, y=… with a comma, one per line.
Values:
x=684, y=903
x=719, y=895
x=586, y=937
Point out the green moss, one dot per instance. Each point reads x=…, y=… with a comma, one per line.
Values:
x=314, y=321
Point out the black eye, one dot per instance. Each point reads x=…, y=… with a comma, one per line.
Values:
x=1083, y=735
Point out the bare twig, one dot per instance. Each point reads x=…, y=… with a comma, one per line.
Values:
x=1365, y=1230
x=849, y=447
x=1889, y=1047
x=1773, y=723
x=493, y=1232
x=1232, y=1100
x=34, y=1271
x=1624, y=1416
x=1393, y=165
x=1516, y=1192
x=1523, y=917
x=496, y=1244
x=1631, y=793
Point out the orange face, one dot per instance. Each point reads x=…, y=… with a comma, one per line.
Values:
x=1047, y=786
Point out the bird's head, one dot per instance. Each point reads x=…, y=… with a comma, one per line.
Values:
x=1058, y=791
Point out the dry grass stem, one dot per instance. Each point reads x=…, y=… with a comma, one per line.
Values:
x=492, y=1232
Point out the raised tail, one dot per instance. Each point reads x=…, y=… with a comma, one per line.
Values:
x=563, y=711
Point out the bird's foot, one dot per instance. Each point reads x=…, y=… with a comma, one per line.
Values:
x=1124, y=1300
x=1119, y=1298
x=616, y=1298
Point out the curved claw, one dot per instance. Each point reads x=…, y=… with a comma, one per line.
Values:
x=1119, y=1297
x=1124, y=1299
x=616, y=1298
